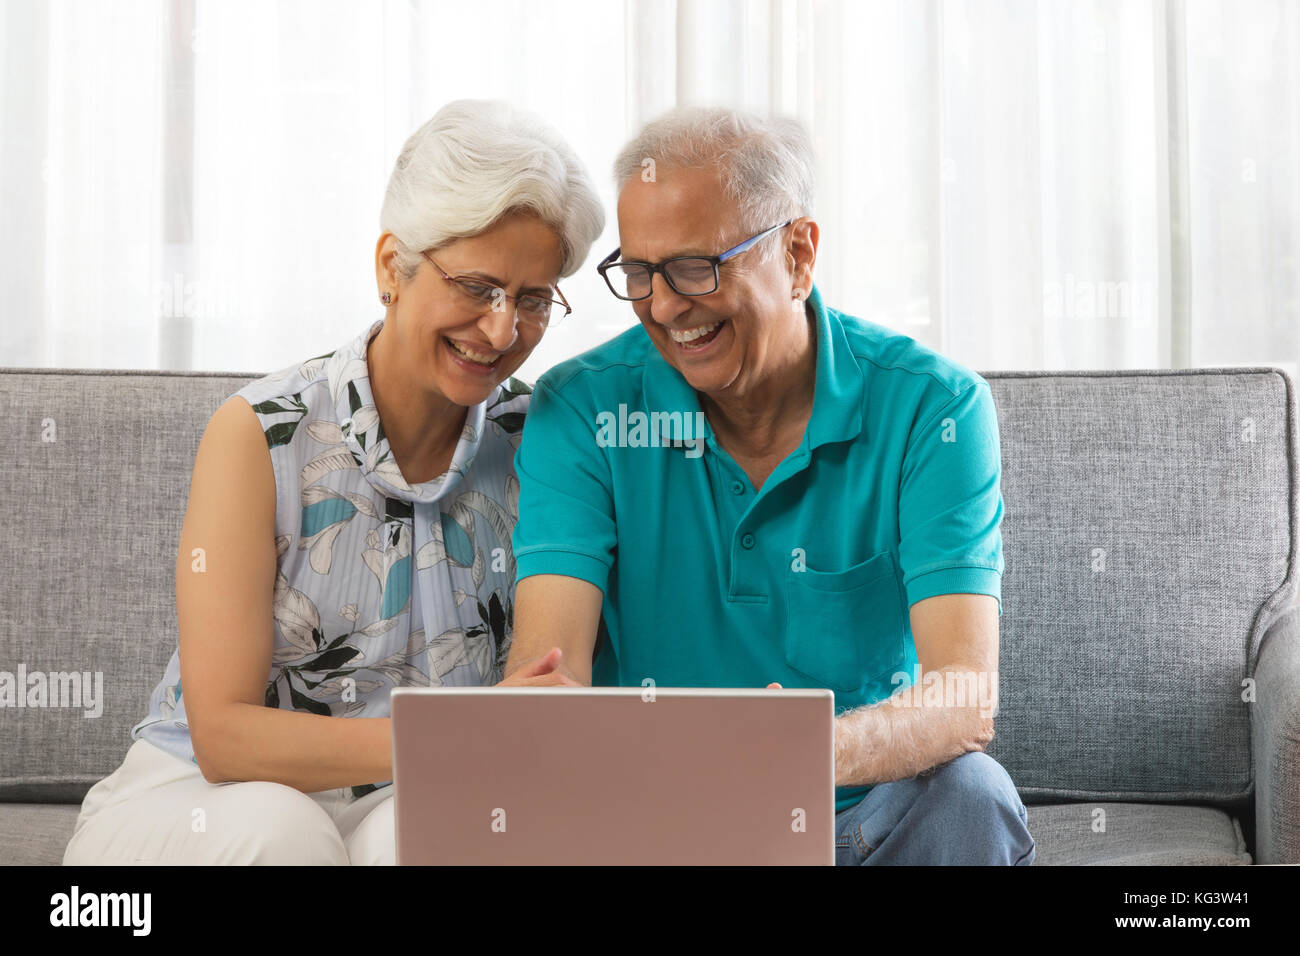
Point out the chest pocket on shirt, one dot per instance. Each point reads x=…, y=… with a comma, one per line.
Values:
x=845, y=628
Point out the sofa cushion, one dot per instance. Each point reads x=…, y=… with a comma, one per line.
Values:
x=1147, y=538
x=35, y=834
x=1135, y=834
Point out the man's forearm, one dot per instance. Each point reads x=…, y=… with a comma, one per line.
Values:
x=551, y=611
x=915, y=729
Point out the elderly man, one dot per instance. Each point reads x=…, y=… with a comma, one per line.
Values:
x=751, y=488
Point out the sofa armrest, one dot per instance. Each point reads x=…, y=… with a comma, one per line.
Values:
x=1275, y=742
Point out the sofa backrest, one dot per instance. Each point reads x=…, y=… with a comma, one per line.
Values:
x=1148, y=538
x=87, y=554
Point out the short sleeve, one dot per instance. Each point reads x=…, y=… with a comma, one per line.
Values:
x=950, y=501
x=566, y=511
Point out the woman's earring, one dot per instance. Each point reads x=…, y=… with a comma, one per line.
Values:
x=386, y=298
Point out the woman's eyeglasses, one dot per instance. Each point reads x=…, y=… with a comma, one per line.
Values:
x=536, y=310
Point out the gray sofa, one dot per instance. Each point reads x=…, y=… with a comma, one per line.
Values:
x=1150, y=648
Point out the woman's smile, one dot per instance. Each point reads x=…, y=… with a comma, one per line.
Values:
x=472, y=357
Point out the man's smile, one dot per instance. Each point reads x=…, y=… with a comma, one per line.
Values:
x=696, y=339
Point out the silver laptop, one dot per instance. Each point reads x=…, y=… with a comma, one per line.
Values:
x=613, y=775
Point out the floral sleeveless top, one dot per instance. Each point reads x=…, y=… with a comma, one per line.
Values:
x=379, y=584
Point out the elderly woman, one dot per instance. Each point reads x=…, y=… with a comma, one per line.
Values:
x=349, y=522
x=840, y=529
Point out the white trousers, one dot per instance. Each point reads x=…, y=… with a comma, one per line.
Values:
x=158, y=809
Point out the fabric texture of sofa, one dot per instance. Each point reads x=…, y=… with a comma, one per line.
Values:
x=1150, y=640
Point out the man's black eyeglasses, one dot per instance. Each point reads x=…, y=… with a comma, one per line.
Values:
x=686, y=275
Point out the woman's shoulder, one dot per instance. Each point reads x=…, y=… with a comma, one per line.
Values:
x=295, y=395
x=285, y=389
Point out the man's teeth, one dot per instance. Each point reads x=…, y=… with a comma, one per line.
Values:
x=690, y=335
x=482, y=358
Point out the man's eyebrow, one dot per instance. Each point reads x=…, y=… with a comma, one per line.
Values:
x=682, y=254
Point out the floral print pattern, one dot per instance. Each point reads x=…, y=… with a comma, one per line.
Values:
x=379, y=583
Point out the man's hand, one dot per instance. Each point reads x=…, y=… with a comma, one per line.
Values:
x=545, y=671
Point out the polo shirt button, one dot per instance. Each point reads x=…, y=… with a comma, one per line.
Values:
x=747, y=542
x=737, y=488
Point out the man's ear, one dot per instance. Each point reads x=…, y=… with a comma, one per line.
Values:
x=801, y=254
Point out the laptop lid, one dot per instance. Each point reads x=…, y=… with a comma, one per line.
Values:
x=613, y=775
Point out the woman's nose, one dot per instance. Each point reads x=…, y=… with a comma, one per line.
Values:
x=500, y=325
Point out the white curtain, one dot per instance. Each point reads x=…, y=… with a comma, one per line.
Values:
x=1019, y=184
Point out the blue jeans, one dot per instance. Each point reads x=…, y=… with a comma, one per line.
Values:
x=965, y=811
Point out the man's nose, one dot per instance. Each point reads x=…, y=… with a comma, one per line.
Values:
x=665, y=304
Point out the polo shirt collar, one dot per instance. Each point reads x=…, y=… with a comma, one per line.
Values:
x=837, y=396
x=841, y=383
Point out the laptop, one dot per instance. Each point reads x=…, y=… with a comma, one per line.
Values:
x=613, y=776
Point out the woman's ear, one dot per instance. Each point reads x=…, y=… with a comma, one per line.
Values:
x=386, y=276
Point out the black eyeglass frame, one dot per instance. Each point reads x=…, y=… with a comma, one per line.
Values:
x=661, y=267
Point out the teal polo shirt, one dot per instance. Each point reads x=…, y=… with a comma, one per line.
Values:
x=893, y=496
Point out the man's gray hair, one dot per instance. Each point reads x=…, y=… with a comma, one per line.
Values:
x=766, y=165
x=474, y=162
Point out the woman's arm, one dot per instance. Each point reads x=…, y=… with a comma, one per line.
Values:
x=226, y=630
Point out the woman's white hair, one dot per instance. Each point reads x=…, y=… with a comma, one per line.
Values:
x=766, y=165
x=474, y=162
